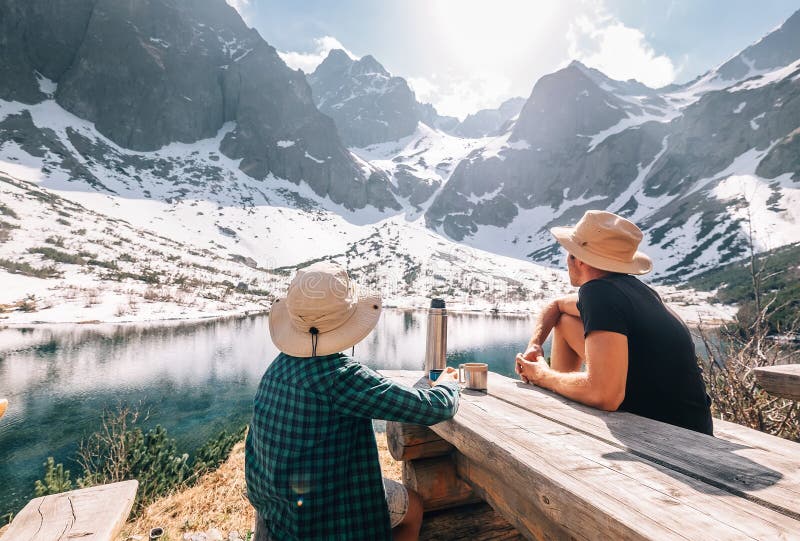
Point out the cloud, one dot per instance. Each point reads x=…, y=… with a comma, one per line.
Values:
x=460, y=96
x=425, y=89
x=308, y=62
x=621, y=52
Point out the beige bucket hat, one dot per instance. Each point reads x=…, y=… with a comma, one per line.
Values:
x=605, y=241
x=323, y=312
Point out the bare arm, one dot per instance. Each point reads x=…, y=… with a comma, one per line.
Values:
x=601, y=386
x=547, y=320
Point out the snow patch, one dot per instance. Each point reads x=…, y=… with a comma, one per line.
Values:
x=46, y=86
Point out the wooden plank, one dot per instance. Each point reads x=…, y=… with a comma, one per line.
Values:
x=90, y=514
x=475, y=522
x=760, y=467
x=513, y=501
x=577, y=472
x=570, y=474
x=409, y=442
x=437, y=483
x=782, y=380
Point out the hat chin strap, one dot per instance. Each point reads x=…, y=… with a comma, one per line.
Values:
x=314, y=340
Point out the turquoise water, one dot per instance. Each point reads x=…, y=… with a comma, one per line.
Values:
x=193, y=378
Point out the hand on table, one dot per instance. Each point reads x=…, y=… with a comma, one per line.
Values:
x=533, y=352
x=450, y=374
x=531, y=371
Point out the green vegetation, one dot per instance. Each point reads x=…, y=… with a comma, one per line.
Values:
x=57, y=255
x=55, y=241
x=5, y=230
x=121, y=450
x=766, y=287
x=147, y=276
x=5, y=210
x=111, y=265
x=777, y=274
x=56, y=479
x=21, y=267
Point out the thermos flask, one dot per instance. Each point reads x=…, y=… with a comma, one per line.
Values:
x=436, y=343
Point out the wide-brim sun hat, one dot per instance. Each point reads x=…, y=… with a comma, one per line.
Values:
x=605, y=241
x=324, y=312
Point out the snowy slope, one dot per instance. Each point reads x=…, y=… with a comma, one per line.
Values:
x=191, y=219
x=204, y=204
x=61, y=262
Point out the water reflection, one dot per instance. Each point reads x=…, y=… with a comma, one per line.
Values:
x=193, y=378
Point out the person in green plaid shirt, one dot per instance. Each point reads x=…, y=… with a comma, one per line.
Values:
x=311, y=460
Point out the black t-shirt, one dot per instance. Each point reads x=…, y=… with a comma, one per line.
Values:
x=664, y=381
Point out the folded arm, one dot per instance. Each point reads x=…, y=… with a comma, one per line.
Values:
x=546, y=320
x=602, y=385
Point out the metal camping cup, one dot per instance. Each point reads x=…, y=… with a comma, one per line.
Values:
x=434, y=374
x=436, y=342
x=474, y=376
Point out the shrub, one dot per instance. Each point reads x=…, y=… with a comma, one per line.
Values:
x=28, y=304
x=56, y=479
x=746, y=345
x=55, y=241
x=730, y=380
x=111, y=265
x=21, y=267
x=121, y=450
x=57, y=255
x=5, y=210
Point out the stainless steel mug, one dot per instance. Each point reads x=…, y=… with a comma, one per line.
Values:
x=436, y=342
x=474, y=376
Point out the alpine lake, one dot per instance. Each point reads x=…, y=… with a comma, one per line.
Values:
x=195, y=378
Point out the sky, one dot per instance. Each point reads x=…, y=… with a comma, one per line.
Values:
x=466, y=55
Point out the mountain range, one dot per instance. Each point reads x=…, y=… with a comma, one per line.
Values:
x=176, y=118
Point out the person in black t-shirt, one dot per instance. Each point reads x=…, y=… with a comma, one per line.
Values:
x=639, y=354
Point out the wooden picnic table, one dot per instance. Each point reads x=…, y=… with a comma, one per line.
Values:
x=90, y=514
x=556, y=469
x=782, y=380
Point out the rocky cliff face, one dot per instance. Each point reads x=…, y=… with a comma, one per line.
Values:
x=152, y=72
x=368, y=104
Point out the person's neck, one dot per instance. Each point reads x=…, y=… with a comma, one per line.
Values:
x=594, y=274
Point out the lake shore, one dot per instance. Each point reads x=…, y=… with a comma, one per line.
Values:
x=694, y=307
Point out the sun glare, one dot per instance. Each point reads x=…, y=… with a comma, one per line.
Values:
x=485, y=33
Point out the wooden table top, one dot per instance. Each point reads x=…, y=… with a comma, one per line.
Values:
x=89, y=514
x=618, y=475
x=782, y=380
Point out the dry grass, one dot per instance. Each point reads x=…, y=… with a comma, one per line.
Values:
x=218, y=501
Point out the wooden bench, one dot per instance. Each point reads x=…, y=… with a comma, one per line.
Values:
x=90, y=514
x=781, y=380
x=556, y=469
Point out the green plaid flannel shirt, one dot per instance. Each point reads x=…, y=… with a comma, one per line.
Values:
x=311, y=459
